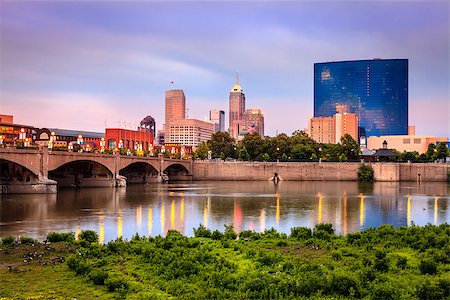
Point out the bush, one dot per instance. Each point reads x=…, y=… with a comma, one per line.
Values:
x=27, y=240
x=78, y=264
x=54, y=237
x=327, y=227
x=301, y=233
x=229, y=232
x=8, y=240
x=98, y=277
x=427, y=266
x=430, y=291
x=202, y=231
x=116, y=284
x=89, y=235
x=365, y=173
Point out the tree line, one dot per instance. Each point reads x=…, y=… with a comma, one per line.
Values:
x=298, y=147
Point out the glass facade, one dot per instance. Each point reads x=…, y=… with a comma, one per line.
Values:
x=375, y=90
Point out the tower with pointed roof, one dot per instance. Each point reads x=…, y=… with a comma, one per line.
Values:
x=237, y=108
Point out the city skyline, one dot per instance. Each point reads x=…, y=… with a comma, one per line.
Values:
x=111, y=61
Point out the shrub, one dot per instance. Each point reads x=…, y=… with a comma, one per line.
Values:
x=327, y=227
x=202, y=231
x=27, y=240
x=8, y=240
x=427, y=266
x=402, y=262
x=365, y=173
x=98, y=277
x=336, y=255
x=78, y=264
x=430, y=291
x=116, y=284
x=216, y=235
x=301, y=233
x=343, y=284
x=229, y=232
x=54, y=237
x=89, y=235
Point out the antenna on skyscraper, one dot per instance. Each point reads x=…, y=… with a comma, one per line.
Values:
x=237, y=78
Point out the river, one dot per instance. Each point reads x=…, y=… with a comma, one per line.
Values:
x=258, y=205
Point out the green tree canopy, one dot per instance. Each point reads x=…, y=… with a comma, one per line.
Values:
x=349, y=147
x=253, y=142
x=202, y=151
x=222, y=142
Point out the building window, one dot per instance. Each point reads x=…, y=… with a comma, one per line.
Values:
x=417, y=141
x=406, y=141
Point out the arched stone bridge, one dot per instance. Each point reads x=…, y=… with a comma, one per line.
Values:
x=40, y=170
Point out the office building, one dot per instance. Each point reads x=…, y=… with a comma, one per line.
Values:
x=188, y=132
x=237, y=108
x=329, y=130
x=253, y=121
x=376, y=91
x=175, y=106
x=217, y=117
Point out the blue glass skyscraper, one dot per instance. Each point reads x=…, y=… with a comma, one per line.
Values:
x=375, y=90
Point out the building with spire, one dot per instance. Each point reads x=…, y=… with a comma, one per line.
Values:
x=237, y=108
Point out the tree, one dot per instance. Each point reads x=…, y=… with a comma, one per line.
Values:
x=302, y=146
x=431, y=152
x=349, y=147
x=441, y=151
x=202, y=151
x=253, y=142
x=222, y=142
x=243, y=154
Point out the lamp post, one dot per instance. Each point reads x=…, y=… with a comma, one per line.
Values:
x=120, y=144
x=278, y=154
x=102, y=145
x=1, y=141
x=26, y=143
x=80, y=142
x=320, y=154
x=22, y=134
x=70, y=147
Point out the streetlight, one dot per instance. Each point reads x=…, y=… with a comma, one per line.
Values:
x=80, y=142
x=52, y=136
x=102, y=145
x=278, y=159
x=120, y=144
x=22, y=134
x=70, y=147
x=26, y=142
x=1, y=140
x=320, y=154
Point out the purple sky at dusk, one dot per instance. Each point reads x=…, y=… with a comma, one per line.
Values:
x=75, y=65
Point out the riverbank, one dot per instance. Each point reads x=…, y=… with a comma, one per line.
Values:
x=408, y=262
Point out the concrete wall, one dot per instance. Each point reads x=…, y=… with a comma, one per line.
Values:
x=203, y=170
x=332, y=171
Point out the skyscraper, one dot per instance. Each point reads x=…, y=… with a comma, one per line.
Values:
x=253, y=121
x=217, y=117
x=237, y=108
x=375, y=90
x=175, y=106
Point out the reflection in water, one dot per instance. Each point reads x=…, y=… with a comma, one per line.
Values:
x=361, y=209
x=149, y=220
x=247, y=205
x=101, y=228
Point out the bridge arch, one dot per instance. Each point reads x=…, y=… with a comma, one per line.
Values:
x=82, y=173
x=13, y=171
x=140, y=172
x=177, y=172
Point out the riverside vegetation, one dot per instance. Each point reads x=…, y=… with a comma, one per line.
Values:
x=377, y=263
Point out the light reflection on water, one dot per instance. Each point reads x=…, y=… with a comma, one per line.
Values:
x=154, y=209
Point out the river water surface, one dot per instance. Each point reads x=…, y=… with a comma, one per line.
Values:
x=153, y=209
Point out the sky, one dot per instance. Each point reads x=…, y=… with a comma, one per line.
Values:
x=90, y=64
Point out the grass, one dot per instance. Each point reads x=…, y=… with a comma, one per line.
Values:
x=380, y=263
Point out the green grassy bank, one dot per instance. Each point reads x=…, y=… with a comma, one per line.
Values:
x=383, y=263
